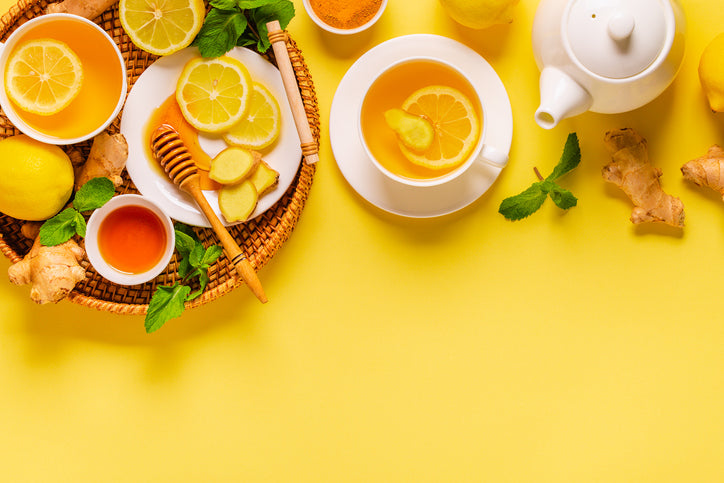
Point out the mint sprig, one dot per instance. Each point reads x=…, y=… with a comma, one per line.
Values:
x=69, y=222
x=168, y=302
x=240, y=22
x=529, y=201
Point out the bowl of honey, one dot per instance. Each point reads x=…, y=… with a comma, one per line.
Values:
x=129, y=240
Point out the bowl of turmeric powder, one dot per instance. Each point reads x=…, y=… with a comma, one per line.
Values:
x=345, y=17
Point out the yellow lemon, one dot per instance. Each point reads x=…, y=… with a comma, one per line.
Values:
x=480, y=14
x=711, y=73
x=43, y=76
x=261, y=124
x=36, y=179
x=161, y=27
x=213, y=94
x=454, y=121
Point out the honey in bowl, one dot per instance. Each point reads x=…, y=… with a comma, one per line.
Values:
x=132, y=239
x=103, y=78
x=390, y=91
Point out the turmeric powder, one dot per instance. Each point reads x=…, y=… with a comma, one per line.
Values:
x=345, y=14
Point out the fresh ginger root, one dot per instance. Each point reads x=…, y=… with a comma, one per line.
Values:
x=707, y=170
x=631, y=171
x=89, y=9
x=107, y=158
x=52, y=271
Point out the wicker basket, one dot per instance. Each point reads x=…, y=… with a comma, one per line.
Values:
x=259, y=239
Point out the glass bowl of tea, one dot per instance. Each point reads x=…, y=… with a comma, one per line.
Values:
x=345, y=17
x=129, y=240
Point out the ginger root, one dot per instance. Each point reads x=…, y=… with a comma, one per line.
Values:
x=631, y=171
x=708, y=170
x=107, y=158
x=89, y=9
x=52, y=271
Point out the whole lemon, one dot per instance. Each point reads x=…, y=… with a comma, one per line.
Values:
x=480, y=14
x=711, y=73
x=36, y=179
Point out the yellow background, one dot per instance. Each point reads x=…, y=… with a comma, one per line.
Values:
x=567, y=347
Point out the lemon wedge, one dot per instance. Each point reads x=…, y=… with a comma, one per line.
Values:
x=453, y=120
x=213, y=94
x=161, y=27
x=43, y=76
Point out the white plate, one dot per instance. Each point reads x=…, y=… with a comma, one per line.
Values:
x=153, y=87
x=368, y=181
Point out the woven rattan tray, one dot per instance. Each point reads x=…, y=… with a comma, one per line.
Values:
x=259, y=239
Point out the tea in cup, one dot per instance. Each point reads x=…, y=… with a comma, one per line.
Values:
x=102, y=80
x=422, y=123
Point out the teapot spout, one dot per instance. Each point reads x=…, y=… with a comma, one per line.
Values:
x=561, y=97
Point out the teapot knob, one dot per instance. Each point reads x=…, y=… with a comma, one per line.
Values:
x=621, y=26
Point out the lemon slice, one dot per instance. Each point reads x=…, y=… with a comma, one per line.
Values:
x=43, y=76
x=260, y=127
x=454, y=122
x=161, y=27
x=213, y=94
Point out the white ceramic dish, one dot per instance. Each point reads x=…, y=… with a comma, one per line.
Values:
x=325, y=26
x=153, y=87
x=358, y=169
x=94, y=255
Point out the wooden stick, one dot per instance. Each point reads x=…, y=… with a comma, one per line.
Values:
x=278, y=39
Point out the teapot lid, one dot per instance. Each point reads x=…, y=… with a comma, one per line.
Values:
x=618, y=38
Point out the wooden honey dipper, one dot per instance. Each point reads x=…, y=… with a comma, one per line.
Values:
x=180, y=167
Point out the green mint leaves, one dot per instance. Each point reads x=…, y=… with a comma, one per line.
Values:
x=240, y=22
x=69, y=222
x=529, y=201
x=168, y=302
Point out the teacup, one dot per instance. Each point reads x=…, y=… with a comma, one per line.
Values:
x=129, y=240
x=390, y=87
x=103, y=90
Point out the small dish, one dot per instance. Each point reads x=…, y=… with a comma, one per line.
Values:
x=148, y=210
x=358, y=169
x=342, y=31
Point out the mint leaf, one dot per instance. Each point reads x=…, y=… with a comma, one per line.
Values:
x=184, y=243
x=246, y=4
x=563, y=198
x=61, y=228
x=282, y=10
x=569, y=159
x=203, y=282
x=167, y=303
x=524, y=204
x=94, y=194
x=211, y=255
x=220, y=31
x=225, y=4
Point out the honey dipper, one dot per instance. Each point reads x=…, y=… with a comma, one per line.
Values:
x=180, y=167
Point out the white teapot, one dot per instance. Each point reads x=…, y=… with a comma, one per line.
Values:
x=606, y=56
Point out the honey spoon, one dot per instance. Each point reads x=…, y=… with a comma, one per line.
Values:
x=175, y=159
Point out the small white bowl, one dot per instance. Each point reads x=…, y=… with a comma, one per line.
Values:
x=313, y=15
x=104, y=268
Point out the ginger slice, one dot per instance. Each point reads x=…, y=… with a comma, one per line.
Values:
x=264, y=177
x=238, y=201
x=631, y=171
x=232, y=165
x=707, y=170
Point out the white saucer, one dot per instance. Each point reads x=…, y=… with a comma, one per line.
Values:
x=366, y=179
x=153, y=87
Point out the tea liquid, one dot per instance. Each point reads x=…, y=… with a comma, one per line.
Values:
x=102, y=79
x=390, y=91
x=132, y=239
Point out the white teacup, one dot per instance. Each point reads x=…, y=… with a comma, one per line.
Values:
x=33, y=29
x=482, y=152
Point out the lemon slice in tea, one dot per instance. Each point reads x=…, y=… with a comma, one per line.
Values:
x=161, y=27
x=454, y=121
x=213, y=94
x=261, y=124
x=43, y=76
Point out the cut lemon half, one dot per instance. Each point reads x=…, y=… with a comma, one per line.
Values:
x=161, y=27
x=43, y=76
x=213, y=94
x=454, y=121
x=261, y=124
